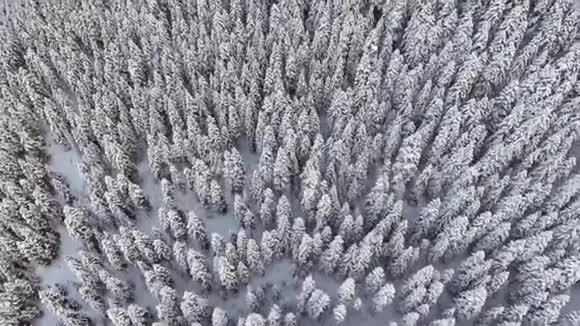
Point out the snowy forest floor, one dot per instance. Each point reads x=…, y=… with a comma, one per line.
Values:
x=280, y=273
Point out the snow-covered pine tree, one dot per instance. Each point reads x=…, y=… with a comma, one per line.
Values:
x=139, y=316
x=383, y=297
x=168, y=309
x=254, y=258
x=219, y=317
x=332, y=255
x=374, y=280
x=195, y=308
x=347, y=292
x=196, y=229
x=119, y=316
x=317, y=304
x=198, y=269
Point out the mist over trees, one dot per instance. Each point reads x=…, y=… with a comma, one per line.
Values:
x=291, y=162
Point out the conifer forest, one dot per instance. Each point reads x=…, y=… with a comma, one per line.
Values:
x=289, y=162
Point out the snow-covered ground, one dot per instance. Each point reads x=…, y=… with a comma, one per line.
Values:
x=280, y=272
x=66, y=162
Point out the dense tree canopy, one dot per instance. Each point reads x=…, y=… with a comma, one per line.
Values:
x=173, y=156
